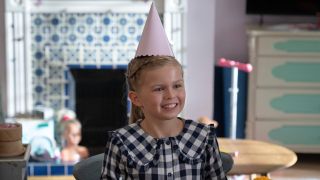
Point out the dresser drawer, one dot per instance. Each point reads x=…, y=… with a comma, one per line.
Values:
x=269, y=45
x=300, y=136
x=288, y=72
x=287, y=103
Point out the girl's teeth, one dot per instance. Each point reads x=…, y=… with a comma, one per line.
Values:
x=170, y=106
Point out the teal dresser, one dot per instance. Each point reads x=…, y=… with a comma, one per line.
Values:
x=284, y=88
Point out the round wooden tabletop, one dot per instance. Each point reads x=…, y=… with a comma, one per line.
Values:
x=256, y=157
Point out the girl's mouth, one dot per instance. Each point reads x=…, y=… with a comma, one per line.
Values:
x=170, y=106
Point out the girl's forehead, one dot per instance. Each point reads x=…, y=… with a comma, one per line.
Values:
x=163, y=72
x=163, y=67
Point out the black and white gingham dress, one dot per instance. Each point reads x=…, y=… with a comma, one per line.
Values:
x=133, y=154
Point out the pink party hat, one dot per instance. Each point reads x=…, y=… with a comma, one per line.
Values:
x=154, y=40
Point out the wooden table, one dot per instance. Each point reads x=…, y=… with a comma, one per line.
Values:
x=256, y=157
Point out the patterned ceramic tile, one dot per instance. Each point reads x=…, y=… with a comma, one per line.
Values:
x=49, y=169
x=79, y=39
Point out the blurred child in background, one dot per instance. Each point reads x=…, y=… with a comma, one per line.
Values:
x=71, y=150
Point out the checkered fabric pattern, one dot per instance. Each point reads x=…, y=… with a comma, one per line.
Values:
x=133, y=154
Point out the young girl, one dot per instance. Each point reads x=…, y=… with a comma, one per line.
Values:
x=72, y=152
x=158, y=144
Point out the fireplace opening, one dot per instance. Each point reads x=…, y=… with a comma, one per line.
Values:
x=100, y=104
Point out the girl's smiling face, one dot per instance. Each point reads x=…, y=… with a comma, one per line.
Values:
x=160, y=93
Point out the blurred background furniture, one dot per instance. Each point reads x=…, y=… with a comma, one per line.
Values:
x=256, y=157
x=39, y=134
x=89, y=168
x=235, y=66
x=14, y=168
x=284, y=95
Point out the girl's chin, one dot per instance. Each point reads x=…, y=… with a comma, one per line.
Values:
x=170, y=116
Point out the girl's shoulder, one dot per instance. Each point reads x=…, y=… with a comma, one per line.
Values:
x=137, y=148
x=83, y=151
x=195, y=137
x=192, y=126
x=132, y=135
x=128, y=130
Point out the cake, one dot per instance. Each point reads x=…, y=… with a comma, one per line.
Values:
x=10, y=140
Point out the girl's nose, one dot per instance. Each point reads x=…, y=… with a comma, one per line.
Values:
x=170, y=93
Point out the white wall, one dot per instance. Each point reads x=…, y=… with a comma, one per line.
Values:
x=200, y=59
x=2, y=57
x=231, y=23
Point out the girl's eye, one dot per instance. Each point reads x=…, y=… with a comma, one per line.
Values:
x=158, y=89
x=178, y=86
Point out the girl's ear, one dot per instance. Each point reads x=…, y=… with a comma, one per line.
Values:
x=134, y=98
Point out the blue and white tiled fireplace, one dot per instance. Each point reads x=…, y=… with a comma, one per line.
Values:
x=79, y=62
x=64, y=41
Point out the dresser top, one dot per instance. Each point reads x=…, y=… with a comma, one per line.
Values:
x=284, y=29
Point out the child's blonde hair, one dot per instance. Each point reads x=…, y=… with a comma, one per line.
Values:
x=65, y=124
x=136, y=67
